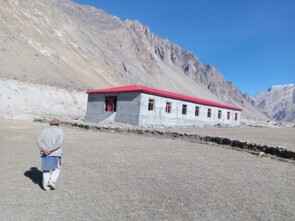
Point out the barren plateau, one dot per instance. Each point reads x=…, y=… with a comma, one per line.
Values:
x=110, y=176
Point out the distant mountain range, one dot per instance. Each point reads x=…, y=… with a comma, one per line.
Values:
x=66, y=45
x=278, y=102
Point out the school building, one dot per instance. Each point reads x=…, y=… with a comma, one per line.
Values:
x=143, y=106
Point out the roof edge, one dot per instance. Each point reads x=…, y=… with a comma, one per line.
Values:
x=148, y=90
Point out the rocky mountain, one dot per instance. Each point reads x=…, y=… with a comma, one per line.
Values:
x=63, y=44
x=278, y=102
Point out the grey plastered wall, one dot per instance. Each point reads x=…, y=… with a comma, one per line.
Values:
x=96, y=108
x=127, y=108
x=159, y=117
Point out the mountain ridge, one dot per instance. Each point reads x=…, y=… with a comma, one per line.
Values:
x=67, y=45
x=278, y=102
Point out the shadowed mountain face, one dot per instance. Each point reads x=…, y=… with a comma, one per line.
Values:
x=63, y=44
x=278, y=102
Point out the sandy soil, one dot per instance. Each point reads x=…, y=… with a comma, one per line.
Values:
x=108, y=176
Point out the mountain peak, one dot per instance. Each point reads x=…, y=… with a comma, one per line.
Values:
x=278, y=102
x=278, y=87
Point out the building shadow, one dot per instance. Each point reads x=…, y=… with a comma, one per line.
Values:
x=35, y=175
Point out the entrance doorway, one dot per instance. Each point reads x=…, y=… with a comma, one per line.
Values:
x=111, y=104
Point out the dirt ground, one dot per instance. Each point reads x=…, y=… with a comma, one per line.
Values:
x=109, y=176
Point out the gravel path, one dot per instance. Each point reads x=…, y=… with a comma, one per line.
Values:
x=108, y=176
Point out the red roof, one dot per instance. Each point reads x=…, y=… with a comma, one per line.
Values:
x=143, y=89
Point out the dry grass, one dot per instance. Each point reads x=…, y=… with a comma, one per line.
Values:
x=108, y=176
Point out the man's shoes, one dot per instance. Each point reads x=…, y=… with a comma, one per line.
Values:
x=51, y=186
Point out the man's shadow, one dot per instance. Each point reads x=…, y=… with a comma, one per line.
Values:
x=35, y=175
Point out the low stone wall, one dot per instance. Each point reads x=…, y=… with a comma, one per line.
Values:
x=272, y=150
x=255, y=147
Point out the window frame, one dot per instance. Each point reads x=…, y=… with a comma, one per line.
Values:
x=219, y=114
x=228, y=115
x=197, y=111
x=236, y=116
x=184, y=109
x=209, y=113
x=168, y=107
x=151, y=104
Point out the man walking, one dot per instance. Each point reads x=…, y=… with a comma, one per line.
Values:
x=50, y=142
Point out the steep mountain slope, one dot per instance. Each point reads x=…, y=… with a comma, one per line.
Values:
x=278, y=102
x=62, y=44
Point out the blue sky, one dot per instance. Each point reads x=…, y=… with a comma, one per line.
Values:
x=251, y=42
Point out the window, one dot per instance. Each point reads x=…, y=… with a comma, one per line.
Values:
x=168, y=107
x=209, y=113
x=197, y=111
x=151, y=106
x=228, y=115
x=184, y=109
x=111, y=104
x=219, y=114
x=236, y=116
